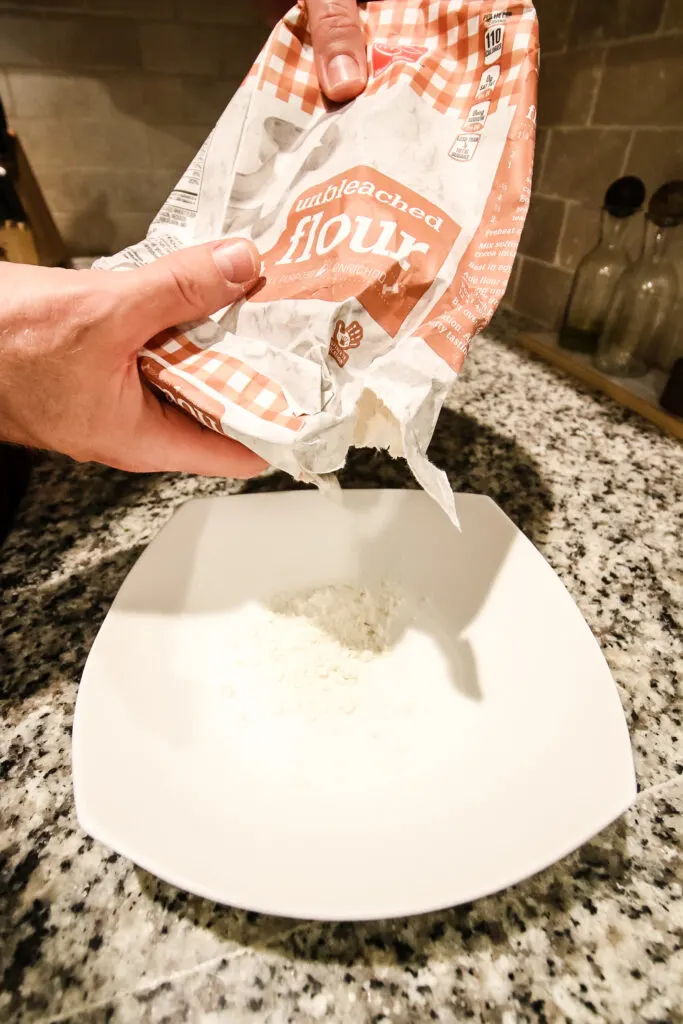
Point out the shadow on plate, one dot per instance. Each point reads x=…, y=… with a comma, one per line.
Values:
x=475, y=458
x=478, y=460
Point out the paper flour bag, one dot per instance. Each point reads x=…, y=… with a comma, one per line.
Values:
x=387, y=228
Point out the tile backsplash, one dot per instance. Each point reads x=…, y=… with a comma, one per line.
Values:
x=112, y=98
x=610, y=103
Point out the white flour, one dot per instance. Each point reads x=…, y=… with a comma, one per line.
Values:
x=309, y=654
x=325, y=686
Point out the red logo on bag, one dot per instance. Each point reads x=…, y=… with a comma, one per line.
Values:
x=345, y=337
x=383, y=54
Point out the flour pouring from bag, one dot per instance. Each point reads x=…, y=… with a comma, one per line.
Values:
x=387, y=229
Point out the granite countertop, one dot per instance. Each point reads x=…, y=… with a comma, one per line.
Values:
x=87, y=937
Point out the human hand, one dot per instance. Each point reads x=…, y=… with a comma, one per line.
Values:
x=69, y=342
x=338, y=44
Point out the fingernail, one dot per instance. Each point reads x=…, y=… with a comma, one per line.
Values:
x=342, y=70
x=236, y=261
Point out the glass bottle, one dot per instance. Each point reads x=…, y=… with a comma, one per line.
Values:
x=641, y=311
x=600, y=269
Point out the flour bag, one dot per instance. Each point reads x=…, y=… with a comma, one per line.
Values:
x=387, y=228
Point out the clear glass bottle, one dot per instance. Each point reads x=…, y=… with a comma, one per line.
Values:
x=640, y=315
x=600, y=269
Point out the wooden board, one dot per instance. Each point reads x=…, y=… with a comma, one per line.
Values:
x=17, y=244
x=49, y=246
x=640, y=395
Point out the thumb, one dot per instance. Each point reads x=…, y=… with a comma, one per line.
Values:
x=339, y=48
x=188, y=285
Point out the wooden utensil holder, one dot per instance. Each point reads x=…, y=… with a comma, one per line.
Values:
x=38, y=241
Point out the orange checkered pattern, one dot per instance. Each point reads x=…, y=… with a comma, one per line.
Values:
x=447, y=76
x=287, y=63
x=229, y=378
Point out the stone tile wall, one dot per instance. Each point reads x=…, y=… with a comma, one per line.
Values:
x=112, y=98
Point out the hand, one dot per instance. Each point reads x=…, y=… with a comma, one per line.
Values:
x=69, y=342
x=347, y=336
x=338, y=44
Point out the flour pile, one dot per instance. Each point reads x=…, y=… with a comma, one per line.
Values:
x=309, y=654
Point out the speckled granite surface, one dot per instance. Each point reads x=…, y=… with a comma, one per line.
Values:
x=86, y=937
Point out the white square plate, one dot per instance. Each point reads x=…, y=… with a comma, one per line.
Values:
x=492, y=743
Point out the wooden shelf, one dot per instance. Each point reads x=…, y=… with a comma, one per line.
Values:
x=640, y=394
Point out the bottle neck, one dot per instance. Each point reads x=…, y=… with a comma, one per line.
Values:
x=612, y=230
x=655, y=242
